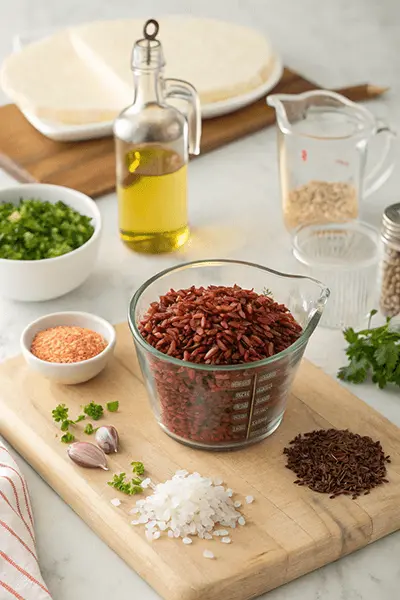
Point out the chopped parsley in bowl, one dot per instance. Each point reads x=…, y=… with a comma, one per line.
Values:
x=36, y=229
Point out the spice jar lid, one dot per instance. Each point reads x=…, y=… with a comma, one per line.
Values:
x=391, y=218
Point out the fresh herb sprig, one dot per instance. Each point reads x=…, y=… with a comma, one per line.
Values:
x=94, y=411
x=372, y=351
x=89, y=429
x=60, y=415
x=120, y=483
x=137, y=468
x=112, y=406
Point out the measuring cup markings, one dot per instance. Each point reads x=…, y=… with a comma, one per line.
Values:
x=266, y=376
x=260, y=410
x=262, y=399
x=259, y=421
x=243, y=383
x=239, y=428
x=264, y=388
x=241, y=406
x=240, y=395
x=239, y=416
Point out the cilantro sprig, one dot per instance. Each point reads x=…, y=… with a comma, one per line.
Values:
x=372, y=352
x=120, y=483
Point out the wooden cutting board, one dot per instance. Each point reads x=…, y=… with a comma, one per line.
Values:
x=290, y=530
x=90, y=166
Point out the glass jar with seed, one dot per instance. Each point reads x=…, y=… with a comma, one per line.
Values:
x=390, y=272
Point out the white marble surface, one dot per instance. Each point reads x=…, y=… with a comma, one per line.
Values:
x=235, y=213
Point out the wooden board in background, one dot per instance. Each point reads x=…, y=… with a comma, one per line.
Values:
x=290, y=530
x=89, y=166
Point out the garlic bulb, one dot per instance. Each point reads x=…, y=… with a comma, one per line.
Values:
x=88, y=455
x=107, y=438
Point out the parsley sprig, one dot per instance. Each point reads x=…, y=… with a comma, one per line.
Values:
x=60, y=415
x=372, y=351
x=94, y=411
x=130, y=488
x=112, y=406
x=137, y=468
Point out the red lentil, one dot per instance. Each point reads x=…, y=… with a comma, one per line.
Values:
x=220, y=326
x=67, y=344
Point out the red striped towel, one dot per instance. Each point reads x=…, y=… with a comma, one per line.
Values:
x=20, y=575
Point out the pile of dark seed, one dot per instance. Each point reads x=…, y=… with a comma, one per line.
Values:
x=335, y=462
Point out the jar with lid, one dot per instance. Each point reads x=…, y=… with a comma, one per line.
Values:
x=153, y=140
x=390, y=275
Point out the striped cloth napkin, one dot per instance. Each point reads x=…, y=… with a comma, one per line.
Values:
x=20, y=575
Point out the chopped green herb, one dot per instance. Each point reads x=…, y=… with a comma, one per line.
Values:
x=34, y=229
x=67, y=438
x=126, y=487
x=94, y=411
x=60, y=413
x=137, y=467
x=112, y=406
x=89, y=429
x=80, y=418
x=65, y=425
x=373, y=352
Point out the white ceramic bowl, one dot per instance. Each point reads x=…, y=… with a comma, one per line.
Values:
x=69, y=373
x=34, y=280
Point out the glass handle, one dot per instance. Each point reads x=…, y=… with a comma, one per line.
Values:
x=384, y=168
x=176, y=88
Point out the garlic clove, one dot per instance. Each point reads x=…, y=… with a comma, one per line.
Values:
x=87, y=455
x=107, y=438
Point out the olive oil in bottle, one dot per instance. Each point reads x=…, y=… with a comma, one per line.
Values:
x=153, y=140
x=152, y=199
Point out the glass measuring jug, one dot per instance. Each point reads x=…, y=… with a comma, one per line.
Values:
x=153, y=140
x=323, y=141
x=233, y=406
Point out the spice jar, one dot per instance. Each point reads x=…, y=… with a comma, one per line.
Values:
x=390, y=291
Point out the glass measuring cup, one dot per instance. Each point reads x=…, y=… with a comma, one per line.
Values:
x=223, y=407
x=323, y=140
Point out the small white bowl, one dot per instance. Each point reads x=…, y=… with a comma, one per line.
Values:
x=69, y=373
x=37, y=280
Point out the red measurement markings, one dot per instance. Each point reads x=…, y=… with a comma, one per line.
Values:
x=304, y=155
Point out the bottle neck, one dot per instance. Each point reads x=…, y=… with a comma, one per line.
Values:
x=147, y=86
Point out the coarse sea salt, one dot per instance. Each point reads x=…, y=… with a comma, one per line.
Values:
x=226, y=540
x=208, y=554
x=116, y=502
x=187, y=540
x=249, y=499
x=188, y=505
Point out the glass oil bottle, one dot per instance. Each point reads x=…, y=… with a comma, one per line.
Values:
x=153, y=140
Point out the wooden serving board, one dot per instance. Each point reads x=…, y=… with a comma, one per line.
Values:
x=89, y=166
x=290, y=530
